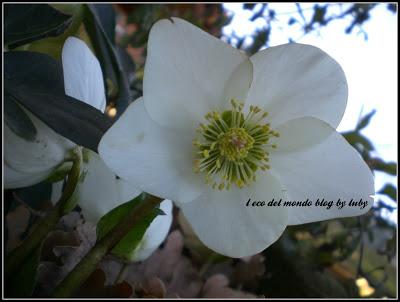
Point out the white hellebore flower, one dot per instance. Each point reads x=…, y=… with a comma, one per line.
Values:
x=99, y=190
x=28, y=163
x=215, y=128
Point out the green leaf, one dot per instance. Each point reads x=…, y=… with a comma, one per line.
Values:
x=23, y=283
x=106, y=16
x=112, y=218
x=365, y=120
x=18, y=121
x=389, y=190
x=261, y=38
x=24, y=23
x=103, y=49
x=35, y=80
x=382, y=205
x=116, y=82
x=319, y=14
x=387, y=167
x=354, y=138
x=53, y=45
x=126, y=247
x=248, y=6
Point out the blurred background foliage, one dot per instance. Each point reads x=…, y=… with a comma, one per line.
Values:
x=351, y=257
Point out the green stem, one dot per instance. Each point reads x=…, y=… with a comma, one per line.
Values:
x=89, y=263
x=46, y=224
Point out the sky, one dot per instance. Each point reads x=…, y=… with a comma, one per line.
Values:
x=370, y=67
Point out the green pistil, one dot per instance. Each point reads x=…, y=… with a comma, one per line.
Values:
x=232, y=147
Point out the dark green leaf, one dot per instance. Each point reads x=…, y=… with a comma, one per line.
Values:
x=355, y=138
x=380, y=165
x=260, y=39
x=248, y=6
x=383, y=205
x=23, y=283
x=128, y=244
x=103, y=49
x=18, y=121
x=111, y=219
x=36, y=81
x=365, y=120
x=292, y=21
x=116, y=82
x=125, y=248
x=392, y=7
x=106, y=16
x=319, y=14
x=389, y=190
x=24, y=23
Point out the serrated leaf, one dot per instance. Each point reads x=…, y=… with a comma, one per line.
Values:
x=24, y=23
x=365, y=120
x=390, y=191
x=17, y=120
x=35, y=80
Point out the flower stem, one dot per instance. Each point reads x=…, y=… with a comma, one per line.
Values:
x=47, y=223
x=89, y=263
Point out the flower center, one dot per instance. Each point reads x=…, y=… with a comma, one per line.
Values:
x=232, y=147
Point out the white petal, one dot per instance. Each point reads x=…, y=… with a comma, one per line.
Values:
x=239, y=83
x=101, y=191
x=295, y=80
x=301, y=133
x=329, y=168
x=155, y=234
x=226, y=225
x=158, y=161
x=83, y=78
x=15, y=179
x=185, y=73
x=45, y=152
